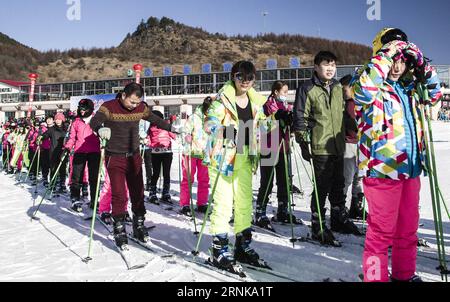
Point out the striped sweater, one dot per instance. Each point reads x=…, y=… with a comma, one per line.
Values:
x=124, y=125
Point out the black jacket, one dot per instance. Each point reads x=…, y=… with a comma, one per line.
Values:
x=57, y=136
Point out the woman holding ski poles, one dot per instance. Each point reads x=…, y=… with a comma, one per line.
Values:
x=56, y=134
x=279, y=112
x=232, y=154
x=391, y=157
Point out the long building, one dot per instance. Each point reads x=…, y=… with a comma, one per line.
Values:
x=169, y=91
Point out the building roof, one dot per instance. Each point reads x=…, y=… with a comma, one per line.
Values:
x=14, y=83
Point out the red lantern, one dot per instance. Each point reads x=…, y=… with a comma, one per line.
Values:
x=33, y=77
x=138, y=69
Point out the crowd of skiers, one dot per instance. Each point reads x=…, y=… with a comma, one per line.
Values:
x=363, y=131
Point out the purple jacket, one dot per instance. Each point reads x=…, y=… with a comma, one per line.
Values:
x=82, y=138
x=46, y=143
x=270, y=108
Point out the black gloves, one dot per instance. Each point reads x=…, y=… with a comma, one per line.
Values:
x=285, y=117
x=302, y=138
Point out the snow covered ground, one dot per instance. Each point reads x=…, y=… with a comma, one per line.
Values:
x=52, y=248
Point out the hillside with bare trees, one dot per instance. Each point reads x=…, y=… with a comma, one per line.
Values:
x=159, y=42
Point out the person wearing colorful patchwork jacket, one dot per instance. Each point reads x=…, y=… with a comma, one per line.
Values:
x=195, y=141
x=232, y=154
x=391, y=151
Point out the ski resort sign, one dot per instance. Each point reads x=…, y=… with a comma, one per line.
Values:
x=98, y=100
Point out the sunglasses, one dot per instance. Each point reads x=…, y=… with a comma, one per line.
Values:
x=244, y=77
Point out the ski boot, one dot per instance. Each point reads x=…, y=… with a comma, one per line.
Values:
x=296, y=190
x=33, y=180
x=222, y=258
x=283, y=216
x=414, y=279
x=323, y=235
x=202, y=208
x=341, y=223
x=106, y=218
x=120, y=234
x=128, y=218
x=262, y=221
x=152, y=198
x=61, y=188
x=166, y=198
x=357, y=209
x=139, y=230
x=244, y=253
x=186, y=211
x=85, y=190
x=76, y=204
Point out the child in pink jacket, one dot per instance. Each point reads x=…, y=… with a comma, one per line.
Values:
x=160, y=144
x=86, y=147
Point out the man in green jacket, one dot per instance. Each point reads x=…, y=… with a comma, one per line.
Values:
x=319, y=130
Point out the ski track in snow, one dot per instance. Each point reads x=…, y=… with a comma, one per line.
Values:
x=52, y=248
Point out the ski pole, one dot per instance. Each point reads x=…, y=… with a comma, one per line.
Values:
x=29, y=169
x=7, y=157
x=441, y=253
x=142, y=151
x=52, y=181
x=443, y=202
x=211, y=197
x=188, y=172
x=53, y=184
x=296, y=165
x=179, y=168
x=443, y=266
x=297, y=154
x=364, y=212
x=313, y=174
x=37, y=170
x=24, y=152
x=97, y=189
x=266, y=199
x=293, y=240
x=160, y=177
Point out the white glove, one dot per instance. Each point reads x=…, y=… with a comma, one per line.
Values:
x=142, y=135
x=177, y=129
x=104, y=133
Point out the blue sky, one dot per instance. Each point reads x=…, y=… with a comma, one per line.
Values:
x=43, y=24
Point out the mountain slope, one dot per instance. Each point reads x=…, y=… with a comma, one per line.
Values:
x=157, y=43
